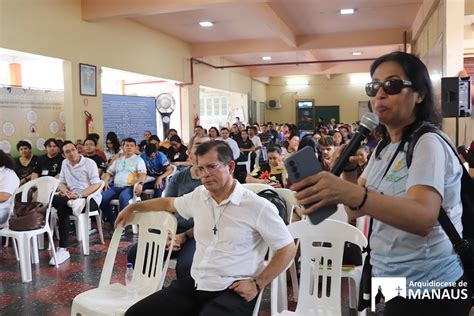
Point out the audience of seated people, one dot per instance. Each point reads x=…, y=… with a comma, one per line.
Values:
x=291, y=146
x=157, y=167
x=327, y=147
x=213, y=133
x=9, y=182
x=79, y=178
x=125, y=172
x=50, y=163
x=90, y=151
x=247, y=148
x=112, y=147
x=363, y=154
x=26, y=162
x=145, y=141
x=272, y=172
x=177, y=153
x=99, y=152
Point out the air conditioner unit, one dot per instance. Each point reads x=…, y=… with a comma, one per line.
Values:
x=273, y=104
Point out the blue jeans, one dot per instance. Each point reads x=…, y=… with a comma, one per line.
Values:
x=124, y=194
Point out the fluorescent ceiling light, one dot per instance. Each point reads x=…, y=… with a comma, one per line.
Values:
x=206, y=23
x=266, y=58
x=346, y=11
x=359, y=78
x=299, y=82
x=356, y=53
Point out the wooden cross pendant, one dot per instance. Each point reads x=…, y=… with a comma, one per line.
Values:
x=215, y=230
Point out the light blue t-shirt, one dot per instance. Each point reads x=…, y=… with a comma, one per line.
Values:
x=125, y=170
x=397, y=253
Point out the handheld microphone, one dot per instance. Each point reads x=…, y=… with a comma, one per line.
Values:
x=367, y=124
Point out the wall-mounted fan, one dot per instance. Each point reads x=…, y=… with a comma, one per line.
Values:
x=165, y=104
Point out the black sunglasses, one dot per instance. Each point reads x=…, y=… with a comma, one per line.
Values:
x=389, y=86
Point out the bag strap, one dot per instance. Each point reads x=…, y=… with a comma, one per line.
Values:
x=459, y=244
x=399, y=148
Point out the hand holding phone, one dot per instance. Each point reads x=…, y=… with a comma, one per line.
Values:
x=301, y=165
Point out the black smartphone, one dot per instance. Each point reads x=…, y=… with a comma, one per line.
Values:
x=301, y=165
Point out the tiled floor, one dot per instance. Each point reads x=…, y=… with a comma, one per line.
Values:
x=52, y=290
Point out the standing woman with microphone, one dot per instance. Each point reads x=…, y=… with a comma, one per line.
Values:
x=404, y=203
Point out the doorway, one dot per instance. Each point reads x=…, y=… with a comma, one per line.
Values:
x=326, y=113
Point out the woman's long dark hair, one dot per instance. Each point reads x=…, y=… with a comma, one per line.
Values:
x=7, y=161
x=113, y=138
x=417, y=73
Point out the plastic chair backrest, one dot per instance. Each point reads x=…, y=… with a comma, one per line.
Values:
x=151, y=264
x=340, y=214
x=46, y=187
x=257, y=187
x=322, y=248
x=290, y=200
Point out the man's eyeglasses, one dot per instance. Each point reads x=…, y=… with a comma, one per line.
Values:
x=390, y=86
x=210, y=168
x=70, y=151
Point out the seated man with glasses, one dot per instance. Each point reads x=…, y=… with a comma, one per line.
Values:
x=233, y=228
x=79, y=177
x=183, y=182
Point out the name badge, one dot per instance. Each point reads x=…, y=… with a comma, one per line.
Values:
x=44, y=172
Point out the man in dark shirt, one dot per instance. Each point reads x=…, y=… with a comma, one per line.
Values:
x=265, y=135
x=49, y=164
x=274, y=133
x=144, y=142
x=90, y=152
x=235, y=133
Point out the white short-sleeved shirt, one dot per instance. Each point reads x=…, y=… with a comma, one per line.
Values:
x=233, y=145
x=396, y=253
x=246, y=225
x=9, y=182
x=256, y=141
x=80, y=176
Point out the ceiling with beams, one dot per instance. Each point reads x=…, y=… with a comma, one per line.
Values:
x=290, y=31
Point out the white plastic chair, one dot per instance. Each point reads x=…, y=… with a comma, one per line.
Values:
x=149, y=193
x=290, y=200
x=82, y=222
x=150, y=267
x=246, y=163
x=257, y=187
x=116, y=203
x=320, y=281
x=46, y=186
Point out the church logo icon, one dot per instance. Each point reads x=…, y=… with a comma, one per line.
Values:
x=385, y=289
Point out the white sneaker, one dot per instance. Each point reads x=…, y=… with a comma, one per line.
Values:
x=62, y=255
x=77, y=206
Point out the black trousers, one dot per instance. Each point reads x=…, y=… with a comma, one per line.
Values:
x=64, y=211
x=181, y=298
x=442, y=307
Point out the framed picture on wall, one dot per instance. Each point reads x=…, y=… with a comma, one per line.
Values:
x=88, y=79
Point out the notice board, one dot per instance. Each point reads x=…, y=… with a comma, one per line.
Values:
x=128, y=116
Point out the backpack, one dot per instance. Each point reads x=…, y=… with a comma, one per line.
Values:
x=276, y=200
x=463, y=245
